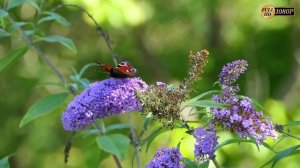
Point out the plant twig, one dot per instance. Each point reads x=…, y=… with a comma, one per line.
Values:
x=135, y=141
x=109, y=42
x=42, y=55
x=216, y=163
x=116, y=159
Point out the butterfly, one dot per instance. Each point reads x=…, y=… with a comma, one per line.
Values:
x=122, y=70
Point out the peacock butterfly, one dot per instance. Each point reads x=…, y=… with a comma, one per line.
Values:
x=122, y=70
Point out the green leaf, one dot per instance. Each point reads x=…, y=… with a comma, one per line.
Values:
x=116, y=144
x=17, y=25
x=282, y=154
x=54, y=16
x=292, y=123
x=231, y=141
x=148, y=120
x=4, y=33
x=84, y=83
x=89, y=132
x=238, y=140
x=116, y=127
x=35, y=5
x=63, y=40
x=205, y=94
x=206, y=103
x=43, y=107
x=3, y=13
x=11, y=56
x=188, y=163
x=15, y=3
x=204, y=165
x=4, y=162
x=29, y=32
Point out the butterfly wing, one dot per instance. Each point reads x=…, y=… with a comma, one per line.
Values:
x=125, y=69
x=122, y=70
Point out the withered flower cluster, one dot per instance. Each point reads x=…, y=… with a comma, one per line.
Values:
x=164, y=101
x=197, y=62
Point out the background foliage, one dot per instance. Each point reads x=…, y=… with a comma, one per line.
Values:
x=155, y=36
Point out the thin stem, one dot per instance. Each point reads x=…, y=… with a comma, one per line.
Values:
x=118, y=163
x=97, y=127
x=135, y=141
x=42, y=55
x=290, y=135
x=109, y=42
x=216, y=163
x=116, y=159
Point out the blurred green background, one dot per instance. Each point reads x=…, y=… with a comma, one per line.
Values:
x=156, y=37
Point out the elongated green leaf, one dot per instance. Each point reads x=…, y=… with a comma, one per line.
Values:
x=63, y=40
x=4, y=33
x=116, y=127
x=282, y=154
x=3, y=13
x=292, y=123
x=54, y=16
x=208, y=93
x=204, y=165
x=122, y=142
x=87, y=133
x=35, y=5
x=148, y=120
x=238, y=140
x=188, y=163
x=4, y=162
x=153, y=135
x=16, y=25
x=15, y=3
x=206, y=103
x=43, y=107
x=11, y=56
x=116, y=144
x=231, y=141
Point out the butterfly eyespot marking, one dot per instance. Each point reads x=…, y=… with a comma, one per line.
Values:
x=123, y=64
x=131, y=70
x=122, y=70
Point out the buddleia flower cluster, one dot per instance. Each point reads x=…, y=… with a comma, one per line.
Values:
x=164, y=101
x=101, y=99
x=240, y=117
x=166, y=158
x=206, y=141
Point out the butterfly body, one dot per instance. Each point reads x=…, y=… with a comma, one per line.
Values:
x=122, y=70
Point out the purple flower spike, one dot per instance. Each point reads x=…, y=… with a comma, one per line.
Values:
x=101, y=99
x=231, y=72
x=206, y=141
x=241, y=117
x=166, y=158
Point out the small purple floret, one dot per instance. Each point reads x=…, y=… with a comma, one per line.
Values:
x=101, y=99
x=231, y=72
x=206, y=141
x=166, y=158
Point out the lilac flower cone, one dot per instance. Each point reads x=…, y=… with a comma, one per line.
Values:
x=101, y=99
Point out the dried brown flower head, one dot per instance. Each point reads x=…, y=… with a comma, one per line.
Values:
x=163, y=101
x=197, y=62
